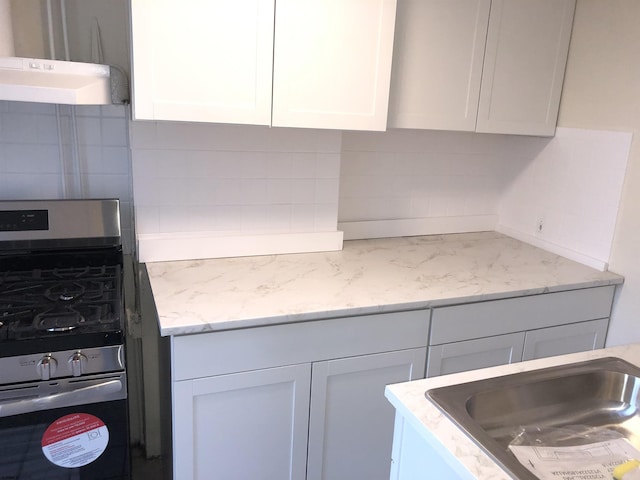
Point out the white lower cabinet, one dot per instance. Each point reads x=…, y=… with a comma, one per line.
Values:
x=243, y=425
x=295, y=401
x=498, y=332
x=351, y=423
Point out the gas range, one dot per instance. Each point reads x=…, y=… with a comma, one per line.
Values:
x=60, y=278
x=62, y=341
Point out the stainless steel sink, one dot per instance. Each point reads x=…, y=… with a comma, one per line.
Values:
x=598, y=393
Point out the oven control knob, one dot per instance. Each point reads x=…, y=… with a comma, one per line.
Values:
x=77, y=362
x=47, y=367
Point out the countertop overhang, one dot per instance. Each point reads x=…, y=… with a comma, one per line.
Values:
x=366, y=277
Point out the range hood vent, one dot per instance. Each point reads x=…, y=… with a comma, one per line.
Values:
x=54, y=81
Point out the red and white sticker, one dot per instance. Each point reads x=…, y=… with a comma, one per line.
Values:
x=75, y=440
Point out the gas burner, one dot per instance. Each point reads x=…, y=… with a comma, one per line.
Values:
x=65, y=292
x=58, y=321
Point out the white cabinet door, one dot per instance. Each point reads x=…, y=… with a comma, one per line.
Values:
x=351, y=422
x=332, y=63
x=244, y=425
x=577, y=337
x=202, y=61
x=524, y=63
x=471, y=354
x=437, y=63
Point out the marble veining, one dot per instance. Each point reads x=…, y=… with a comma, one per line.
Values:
x=367, y=276
x=409, y=400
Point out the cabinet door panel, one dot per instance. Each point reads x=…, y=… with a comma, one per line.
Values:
x=577, y=337
x=332, y=63
x=437, y=63
x=207, y=61
x=245, y=425
x=526, y=53
x=351, y=422
x=473, y=354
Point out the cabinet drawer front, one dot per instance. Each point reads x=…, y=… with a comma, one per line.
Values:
x=216, y=353
x=497, y=317
x=473, y=354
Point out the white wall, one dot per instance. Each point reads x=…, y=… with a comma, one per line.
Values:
x=38, y=161
x=566, y=199
x=205, y=190
x=602, y=91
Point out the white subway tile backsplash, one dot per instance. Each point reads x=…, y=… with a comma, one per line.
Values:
x=421, y=174
x=327, y=165
x=303, y=217
x=254, y=191
x=147, y=218
x=302, y=191
x=113, y=131
x=279, y=191
x=226, y=191
x=29, y=186
x=143, y=135
x=174, y=219
x=325, y=217
x=228, y=218
x=236, y=180
x=105, y=186
x=326, y=191
x=36, y=159
x=89, y=131
x=114, y=161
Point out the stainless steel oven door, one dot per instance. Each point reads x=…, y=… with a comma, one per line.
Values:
x=69, y=429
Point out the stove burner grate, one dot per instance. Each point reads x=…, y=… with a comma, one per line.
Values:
x=38, y=303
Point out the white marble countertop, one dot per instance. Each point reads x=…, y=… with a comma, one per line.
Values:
x=443, y=435
x=367, y=276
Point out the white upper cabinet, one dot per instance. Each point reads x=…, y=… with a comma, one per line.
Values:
x=213, y=61
x=332, y=63
x=437, y=63
x=493, y=66
x=202, y=61
x=526, y=54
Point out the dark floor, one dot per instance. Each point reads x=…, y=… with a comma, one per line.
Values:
x=143, y=468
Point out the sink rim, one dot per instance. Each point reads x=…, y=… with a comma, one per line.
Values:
x=452, y=402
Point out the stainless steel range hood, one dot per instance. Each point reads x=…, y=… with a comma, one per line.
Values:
x=54, y=81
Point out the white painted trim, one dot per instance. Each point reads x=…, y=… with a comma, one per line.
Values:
x=168, y=247
x=408, y=227
x=596, y=263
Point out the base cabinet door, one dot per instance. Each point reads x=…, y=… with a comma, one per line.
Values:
x=245, y=425
x=351, y=422
x=472, y=354
x=577, y=337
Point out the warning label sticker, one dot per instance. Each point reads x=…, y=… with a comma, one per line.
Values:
x=75, y=440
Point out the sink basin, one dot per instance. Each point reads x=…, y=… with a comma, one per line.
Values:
x=596, y=393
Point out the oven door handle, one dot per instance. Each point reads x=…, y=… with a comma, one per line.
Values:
x=109, y=390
